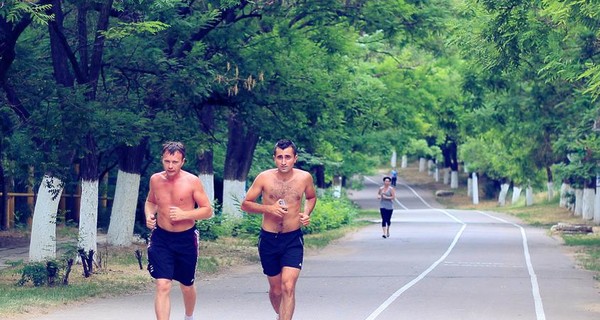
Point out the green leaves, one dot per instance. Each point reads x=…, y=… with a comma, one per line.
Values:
x=14, y=10
x=123, y=30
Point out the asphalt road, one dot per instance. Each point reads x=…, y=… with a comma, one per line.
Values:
x=437, y=264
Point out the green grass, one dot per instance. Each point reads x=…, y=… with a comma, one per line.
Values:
x=27, y=299
x=322, y=239
x=589, y=249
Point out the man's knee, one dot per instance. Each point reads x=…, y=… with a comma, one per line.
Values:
x=163, y=286
x=188, y=289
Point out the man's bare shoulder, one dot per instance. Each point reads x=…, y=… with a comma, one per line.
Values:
x=267, y=174
x=302, y=173
x=157, y=176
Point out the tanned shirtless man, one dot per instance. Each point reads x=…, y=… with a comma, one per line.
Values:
x=175, y=201
x=281, y=245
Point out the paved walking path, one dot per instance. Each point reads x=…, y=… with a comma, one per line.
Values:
x=437, y=264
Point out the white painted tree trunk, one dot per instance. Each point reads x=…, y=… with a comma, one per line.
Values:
x=234, y=193
x=436, y=174
x=529, y=196
x=446, y=175
x=209, y=185
x=475, y=188
x=562, y=201
x=42, y=245
x=578, y=212
x=430, y=165
x=122, y=217
x=454, y=180
x=469, y=186
x=597, y=202
x=587, y=211
x=393, y=159
x=564, y=189
x=550, y=190
x=422, y=163
x=516, y=194
x=404, y=163
x=88, y=217
x=503, y=193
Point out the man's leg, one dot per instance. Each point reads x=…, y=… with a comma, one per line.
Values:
x=289, y=277
x=162, y=302
x=189, y=299
x=275, y=292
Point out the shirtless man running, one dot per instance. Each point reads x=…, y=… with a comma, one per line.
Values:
x=175, y=201
x=281, y=245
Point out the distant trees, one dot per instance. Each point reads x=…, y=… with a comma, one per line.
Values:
x=102, y=85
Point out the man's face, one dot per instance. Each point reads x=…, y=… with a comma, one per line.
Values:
x=172, y=163
x=285, y=159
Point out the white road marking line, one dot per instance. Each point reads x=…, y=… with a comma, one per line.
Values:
x=539, y=307
x=418, y=196
x=396, y=294
x=535, y=289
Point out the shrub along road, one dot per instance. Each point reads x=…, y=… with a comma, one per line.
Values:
x=437, y=264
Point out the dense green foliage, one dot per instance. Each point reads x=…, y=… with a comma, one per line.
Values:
x=511, y=84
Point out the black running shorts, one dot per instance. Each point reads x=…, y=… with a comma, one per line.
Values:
x=173, y=255
x=278, y=250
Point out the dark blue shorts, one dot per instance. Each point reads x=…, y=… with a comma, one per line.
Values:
x=278, y=250
x=173, y=255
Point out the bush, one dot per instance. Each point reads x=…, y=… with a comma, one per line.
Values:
x=331, y=213
x=39, y=273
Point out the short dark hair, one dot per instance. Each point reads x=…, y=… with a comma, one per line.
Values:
x=284, y=144
x=173, y=146
x=387, y=178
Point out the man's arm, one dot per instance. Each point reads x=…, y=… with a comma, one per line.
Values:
x=250, y=205
x=203, y=209
x=311, y=200
x=150, y=208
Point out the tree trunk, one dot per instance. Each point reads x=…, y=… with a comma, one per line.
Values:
x=578, y=212
x=422, y=162
x=240, y=148
x=4, y=223
x=88, y=219
x=516, y=194
x=88, y=213
x=469, y=186
x=587, y=211
x=550, y=190
x=319, y=171
x=503, y=193
x=12, y=32
x=205, y=158
x=42, y=245
x=206, y=173
x=454, y=179
x=58, y=47
x=122, y=218
x=597, y=201
x=475, y=188
x=429, y=167
x=446, y=177
x=404, y=163
x=529, y=196
x=564, y=190
x=550, y=183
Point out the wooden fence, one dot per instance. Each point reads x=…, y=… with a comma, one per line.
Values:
x=64, y=205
